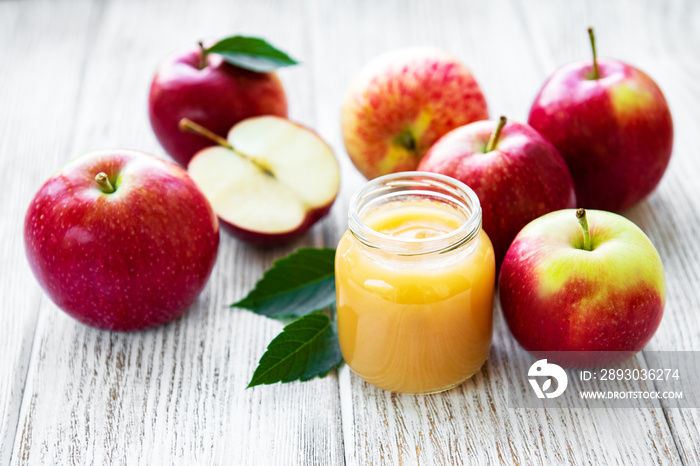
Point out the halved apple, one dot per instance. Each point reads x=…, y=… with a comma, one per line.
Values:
x=269, y=181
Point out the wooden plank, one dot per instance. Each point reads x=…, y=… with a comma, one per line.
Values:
x=662, y=40
x=175, y=394
x=470, y=424
x=43, y=48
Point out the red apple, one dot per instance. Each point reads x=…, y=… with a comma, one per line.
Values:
x=403, y=101
x=210, y=91
x=270, y=181
x=565, y=287
x=516, y=174
x=121, y=240
x=611, y=124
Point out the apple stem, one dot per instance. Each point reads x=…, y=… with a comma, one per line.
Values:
x=583, y=221
x=496, y=134
x=596, y=72
x=187, y=125
x=202, y=56
x=103, y=180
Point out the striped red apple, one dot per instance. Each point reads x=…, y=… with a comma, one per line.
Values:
x=403, y=101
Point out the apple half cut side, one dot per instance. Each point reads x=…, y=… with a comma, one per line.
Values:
x=270, y=181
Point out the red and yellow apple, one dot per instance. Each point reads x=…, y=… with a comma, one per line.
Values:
x=403, y=101
x=206, y=89
x=517, y=175
x=611, y=124
x=588, y=282
x=270, y=181
x=121, y=240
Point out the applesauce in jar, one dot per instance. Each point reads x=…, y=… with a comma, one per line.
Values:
x=415, y=280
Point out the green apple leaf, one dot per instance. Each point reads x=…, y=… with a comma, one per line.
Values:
x=252, y=53
x=299, y=284
x=306, y=348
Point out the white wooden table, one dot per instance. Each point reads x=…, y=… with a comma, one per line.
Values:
x=74, y=76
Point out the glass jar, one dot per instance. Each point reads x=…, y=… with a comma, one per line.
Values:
x=415, y=278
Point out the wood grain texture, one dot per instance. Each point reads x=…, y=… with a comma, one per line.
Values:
x=175, y=394
x=70, y=394
x=39, y=85
x=472, y=423
x=659, y=39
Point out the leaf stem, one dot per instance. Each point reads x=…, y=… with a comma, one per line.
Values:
x=187, y=125
x=496, y=134
x=596, y=71
x=583, y=221
x=103, y=180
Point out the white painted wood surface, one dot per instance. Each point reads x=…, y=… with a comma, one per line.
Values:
x=75, y=77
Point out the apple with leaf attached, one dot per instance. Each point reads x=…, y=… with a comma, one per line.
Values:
x=583, y=288
x=215, y=86
x=611, y=124
x=269, y=181
x=403, y=101
x=121, y=240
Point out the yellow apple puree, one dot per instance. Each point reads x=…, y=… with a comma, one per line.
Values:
x=408, y=321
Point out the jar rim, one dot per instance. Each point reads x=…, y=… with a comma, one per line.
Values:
x=415, y=183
